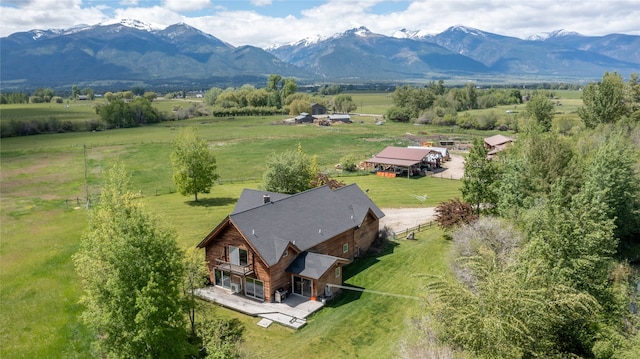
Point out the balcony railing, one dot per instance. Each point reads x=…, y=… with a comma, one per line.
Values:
x=243, y=270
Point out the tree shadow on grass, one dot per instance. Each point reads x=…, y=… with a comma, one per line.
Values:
x=212, y=202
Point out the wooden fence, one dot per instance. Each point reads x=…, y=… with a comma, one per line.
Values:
x=410, y=232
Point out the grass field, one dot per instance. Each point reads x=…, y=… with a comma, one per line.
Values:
x=43, y=189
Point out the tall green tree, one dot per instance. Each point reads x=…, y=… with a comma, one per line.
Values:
x=289, y=172
x=75, y=91
x=540, y=108
x=195, y=276
x=211, y=96
x=603, y=102
x=89, y=92
x=479, y=178
x=274, y=83
x=194, y=164
x=611, y=174
x=289, y=87
x=343, y=103
x=131, y=270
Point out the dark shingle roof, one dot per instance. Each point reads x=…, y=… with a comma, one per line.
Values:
x=305, y=219
x=312, y=265
x=251, y=198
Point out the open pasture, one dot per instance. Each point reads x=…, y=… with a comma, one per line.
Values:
x=42, y=222
x=73, y=111
x=42, y=194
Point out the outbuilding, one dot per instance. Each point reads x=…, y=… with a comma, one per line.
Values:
x=403, y=161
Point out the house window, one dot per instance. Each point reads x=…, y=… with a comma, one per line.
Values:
x=302, y=286
x=345, y=248
x=238, y=256
x=223, y=279
x=254, y=288
x=337, y=271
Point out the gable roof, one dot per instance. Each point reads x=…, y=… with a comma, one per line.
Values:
x=305, y=219
x=400, y=156
x=313, y=265
x=497, y=140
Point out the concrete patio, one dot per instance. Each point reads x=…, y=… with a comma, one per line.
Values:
x=292, y=312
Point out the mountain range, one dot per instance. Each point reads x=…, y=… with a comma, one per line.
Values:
x=180, y=56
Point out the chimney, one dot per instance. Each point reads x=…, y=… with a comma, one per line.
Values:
x=266, y=198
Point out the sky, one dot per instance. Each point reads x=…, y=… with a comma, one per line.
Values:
x=265, y=23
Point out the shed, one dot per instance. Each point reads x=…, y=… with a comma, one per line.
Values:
x=304, y=118
x=318, y=109
x=495, y=144
x=340, y=117
x=394, y=161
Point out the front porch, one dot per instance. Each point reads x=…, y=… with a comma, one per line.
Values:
x=291, y=313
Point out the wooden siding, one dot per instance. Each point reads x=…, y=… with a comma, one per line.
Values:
x=219, y=248
x=279, y=277
x=328, y=278
x=333, y=246
x=366, y=234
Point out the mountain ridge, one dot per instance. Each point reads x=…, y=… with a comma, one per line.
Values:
x=133, y=51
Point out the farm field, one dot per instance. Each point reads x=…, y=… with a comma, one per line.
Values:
x=43, y=192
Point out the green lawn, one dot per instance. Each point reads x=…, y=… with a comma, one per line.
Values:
x=359, y=325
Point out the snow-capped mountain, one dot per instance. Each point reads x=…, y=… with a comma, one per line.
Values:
x=544, y=36
x=134, y=51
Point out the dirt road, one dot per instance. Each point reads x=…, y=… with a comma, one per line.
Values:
x=399, y=219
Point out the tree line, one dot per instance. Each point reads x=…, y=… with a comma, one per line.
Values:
x=604, y=101
x=279, y=96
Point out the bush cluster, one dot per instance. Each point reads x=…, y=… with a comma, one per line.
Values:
x=52, y=124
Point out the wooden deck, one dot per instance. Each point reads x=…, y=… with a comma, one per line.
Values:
x=291, y=313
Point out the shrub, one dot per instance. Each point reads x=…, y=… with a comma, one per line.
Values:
x=349, y=163
x=454, y=212
x=398, y=114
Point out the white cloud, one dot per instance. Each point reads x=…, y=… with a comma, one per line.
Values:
x=261, y=2
x=186, y=5
x=505, y=17
x=128, y=2
x=47, y=14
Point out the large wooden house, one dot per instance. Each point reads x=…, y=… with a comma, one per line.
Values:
x=273, y=244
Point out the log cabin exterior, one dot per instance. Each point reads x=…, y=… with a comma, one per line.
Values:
x=274, y=244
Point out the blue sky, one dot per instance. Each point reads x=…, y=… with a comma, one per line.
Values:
x=272, y=22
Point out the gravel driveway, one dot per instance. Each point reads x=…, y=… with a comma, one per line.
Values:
x=399, y=219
